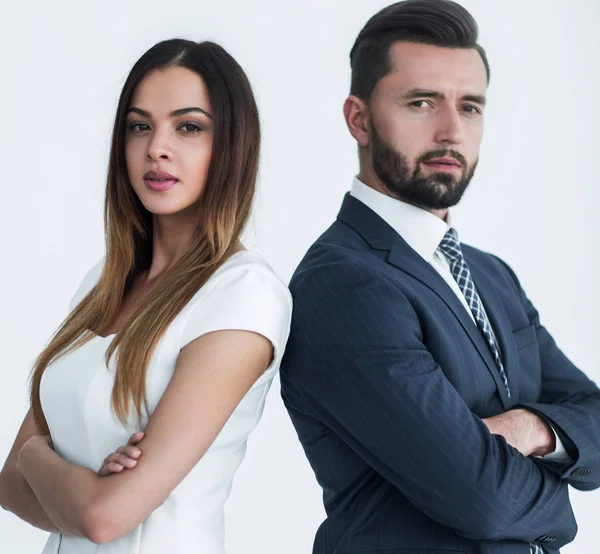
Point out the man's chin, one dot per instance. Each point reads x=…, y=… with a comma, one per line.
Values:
x=429, y=205
x=440, y=198
x=441, y=180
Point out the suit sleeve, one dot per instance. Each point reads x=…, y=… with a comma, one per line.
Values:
x=570, y=402
x=357, y=350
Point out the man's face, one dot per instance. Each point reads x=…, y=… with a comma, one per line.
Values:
x=426, y=123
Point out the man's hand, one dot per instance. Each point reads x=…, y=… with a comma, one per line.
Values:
x=125, y=457
x=525, y=431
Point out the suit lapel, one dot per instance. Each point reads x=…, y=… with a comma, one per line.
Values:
x=381, y=236
x=498, y=317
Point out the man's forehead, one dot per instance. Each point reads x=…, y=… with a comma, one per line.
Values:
x=425, y=65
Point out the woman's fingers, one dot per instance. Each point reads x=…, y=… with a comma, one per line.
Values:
x=135, y=438
x=130, y=451
x=122, y=459
x=115, y=463
x=110, y=467
x=125, y=457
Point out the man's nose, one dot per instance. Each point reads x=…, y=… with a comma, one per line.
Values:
x=449, y=128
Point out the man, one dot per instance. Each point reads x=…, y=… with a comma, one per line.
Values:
x=437, y=413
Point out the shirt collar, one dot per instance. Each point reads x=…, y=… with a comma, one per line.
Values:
x=422, y=230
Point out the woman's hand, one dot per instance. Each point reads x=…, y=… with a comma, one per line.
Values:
x=125, y=457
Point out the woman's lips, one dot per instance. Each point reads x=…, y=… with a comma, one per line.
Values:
x=160, y=185
x=159, y=181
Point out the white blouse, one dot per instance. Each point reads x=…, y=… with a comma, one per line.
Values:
x=243, y=294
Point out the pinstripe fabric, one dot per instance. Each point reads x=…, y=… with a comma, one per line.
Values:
x=386, y=379
x=450, y=247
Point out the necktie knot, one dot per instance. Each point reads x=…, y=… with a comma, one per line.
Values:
x=450, y=246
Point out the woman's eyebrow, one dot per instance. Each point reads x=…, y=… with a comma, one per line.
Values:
x=184, y=111
x=175, y=113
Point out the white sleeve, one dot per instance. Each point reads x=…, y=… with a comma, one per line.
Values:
x=245, y=299
x=87, y=284
x=560, y=454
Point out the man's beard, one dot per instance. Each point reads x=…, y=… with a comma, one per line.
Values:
x=438, y=191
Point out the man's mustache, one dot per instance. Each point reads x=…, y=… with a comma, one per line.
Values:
x=443, y=154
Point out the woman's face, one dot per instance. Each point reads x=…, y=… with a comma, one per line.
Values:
x=168, y=140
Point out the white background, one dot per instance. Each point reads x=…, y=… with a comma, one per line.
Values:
x=533, y=200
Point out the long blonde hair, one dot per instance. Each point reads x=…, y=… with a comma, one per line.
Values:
x=223, y=212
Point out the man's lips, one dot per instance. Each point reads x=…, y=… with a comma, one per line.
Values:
x=444, y=161
x=444, y=164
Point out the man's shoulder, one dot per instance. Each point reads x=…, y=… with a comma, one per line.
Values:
x=338, y=250
x=480, y=256
x=491, y=263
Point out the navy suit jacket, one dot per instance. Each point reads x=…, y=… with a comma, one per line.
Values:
x=386, y=379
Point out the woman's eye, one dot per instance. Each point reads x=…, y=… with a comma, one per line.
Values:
x=191, y=127
x=139, y=127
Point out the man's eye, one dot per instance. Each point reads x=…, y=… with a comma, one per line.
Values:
x=472, y=109
x=420, y=104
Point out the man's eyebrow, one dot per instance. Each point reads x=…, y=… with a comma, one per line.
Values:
x=175, y=113
x=422, y=93
x=426, y=93
x=475, y=98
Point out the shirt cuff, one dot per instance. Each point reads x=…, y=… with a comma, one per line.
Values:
x=559, y=455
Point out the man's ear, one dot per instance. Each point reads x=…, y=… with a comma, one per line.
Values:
x=357, y=120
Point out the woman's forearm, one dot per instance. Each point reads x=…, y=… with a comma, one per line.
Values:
x=19, y=498
x=65, y=491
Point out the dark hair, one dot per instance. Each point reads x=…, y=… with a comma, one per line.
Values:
x=222, y=215
x=236, y=139
x=437, y=22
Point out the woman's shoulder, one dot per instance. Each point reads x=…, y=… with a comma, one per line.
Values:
x=245, y=293
x=244, y=264
x=91, y=277
x=245, y=272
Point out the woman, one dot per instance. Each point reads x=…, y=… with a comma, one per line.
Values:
x=173, y=339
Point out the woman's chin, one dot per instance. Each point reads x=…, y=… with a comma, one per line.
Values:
x=165, y=208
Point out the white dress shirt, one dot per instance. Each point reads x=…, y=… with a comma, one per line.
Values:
x=423, y=232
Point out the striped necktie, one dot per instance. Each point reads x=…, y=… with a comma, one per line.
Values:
x=450, y=247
